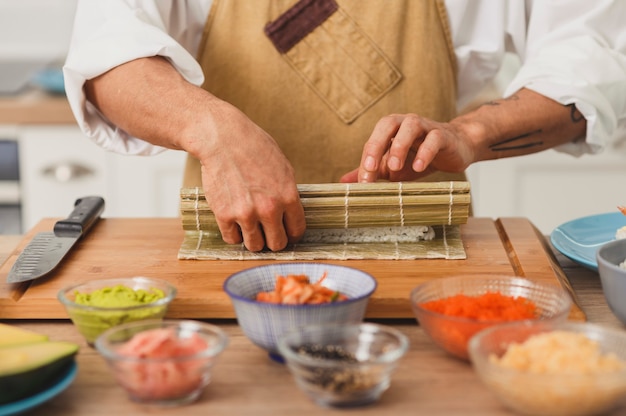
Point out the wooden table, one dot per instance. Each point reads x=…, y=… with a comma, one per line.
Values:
x=246, y=382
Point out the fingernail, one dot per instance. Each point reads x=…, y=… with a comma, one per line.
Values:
x=394, y=163
x=370, y=163
x=418, y=166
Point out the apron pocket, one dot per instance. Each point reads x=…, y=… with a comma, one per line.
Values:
x=332, y=54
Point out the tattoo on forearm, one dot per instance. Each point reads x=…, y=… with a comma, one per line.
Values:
x=514, y=142
x=574, y=114
x=497, y=102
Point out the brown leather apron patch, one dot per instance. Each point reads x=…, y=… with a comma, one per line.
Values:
x=297, y=22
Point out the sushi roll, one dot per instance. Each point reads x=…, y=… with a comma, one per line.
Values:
x=394, y=234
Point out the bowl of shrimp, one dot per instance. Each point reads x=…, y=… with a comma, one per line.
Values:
x=272, y=299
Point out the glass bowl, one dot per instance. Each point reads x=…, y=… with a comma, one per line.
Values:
x=263, y=323
x=452, y=333
x=343, y=365
x=162, y=362
x=95, y=306
x=553, y=377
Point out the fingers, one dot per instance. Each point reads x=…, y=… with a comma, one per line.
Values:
x=282, y=222
x=394, y=141
x=281, y=226
x=294, y=221
x=253, y=234
x=352, y=177
x=376, y=147
x=428, y=150
x=253, y=237
x=230, y=231
x=237, y=231
x=410, y=137
x=266, y=225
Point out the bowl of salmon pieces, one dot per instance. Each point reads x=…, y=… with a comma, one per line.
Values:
x=272, y=299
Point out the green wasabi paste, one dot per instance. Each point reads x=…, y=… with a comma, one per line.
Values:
x=118, y=296
x=91, y=323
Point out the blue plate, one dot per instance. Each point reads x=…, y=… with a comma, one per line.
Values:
x=60, y=384
x=580, y=239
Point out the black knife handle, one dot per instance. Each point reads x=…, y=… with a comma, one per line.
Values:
x=86, y=212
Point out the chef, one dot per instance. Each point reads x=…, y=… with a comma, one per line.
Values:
x=265, y=94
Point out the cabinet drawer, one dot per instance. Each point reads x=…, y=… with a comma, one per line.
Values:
x=58, y=164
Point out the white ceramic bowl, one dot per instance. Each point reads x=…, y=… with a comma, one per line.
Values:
x=612, y=276
x=264, y=323
x=550, y=392
x=343, y=365
x=168, y=369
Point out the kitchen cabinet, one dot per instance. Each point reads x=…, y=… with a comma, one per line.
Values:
x=59, y=164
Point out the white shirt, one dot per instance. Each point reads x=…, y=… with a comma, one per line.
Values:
x=572, y=51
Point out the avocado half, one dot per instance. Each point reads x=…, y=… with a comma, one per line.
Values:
x=12, y=335
x=27, y=369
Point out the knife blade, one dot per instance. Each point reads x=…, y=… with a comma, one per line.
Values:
x=47, y=249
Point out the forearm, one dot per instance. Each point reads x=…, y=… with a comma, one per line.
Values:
x=521, y=124
x=149, y=99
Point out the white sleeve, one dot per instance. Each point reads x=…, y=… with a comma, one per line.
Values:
x=109, y=33
x=573, y=52
x=576, y=54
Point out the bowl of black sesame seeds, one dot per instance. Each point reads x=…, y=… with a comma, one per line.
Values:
x=343, y=365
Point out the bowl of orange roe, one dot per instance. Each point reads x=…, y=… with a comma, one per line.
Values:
x=271, y=299
x=453, y=309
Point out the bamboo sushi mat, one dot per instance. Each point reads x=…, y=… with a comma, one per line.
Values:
x=440, y=205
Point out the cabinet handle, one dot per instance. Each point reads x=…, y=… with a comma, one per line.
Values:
x=66, y=171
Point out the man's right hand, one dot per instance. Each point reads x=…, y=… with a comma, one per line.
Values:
x=248, y=182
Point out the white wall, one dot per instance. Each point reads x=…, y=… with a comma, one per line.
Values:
x=39, y=29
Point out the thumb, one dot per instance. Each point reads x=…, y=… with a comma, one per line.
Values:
x=350, y=177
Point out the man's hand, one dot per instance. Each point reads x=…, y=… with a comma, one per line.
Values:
x=249, y=184
x=405, y=147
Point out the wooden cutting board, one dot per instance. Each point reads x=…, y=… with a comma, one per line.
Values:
x=125, y=247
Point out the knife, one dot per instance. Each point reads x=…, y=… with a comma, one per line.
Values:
x=47, y=249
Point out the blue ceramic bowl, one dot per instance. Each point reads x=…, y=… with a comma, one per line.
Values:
x=50, y=80
x=265, y=323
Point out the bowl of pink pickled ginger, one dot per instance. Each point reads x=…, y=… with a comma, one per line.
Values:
x=162, y=362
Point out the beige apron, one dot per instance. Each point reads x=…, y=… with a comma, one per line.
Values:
x=321, y=98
